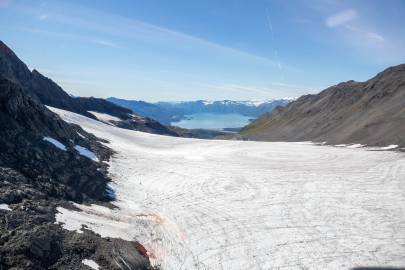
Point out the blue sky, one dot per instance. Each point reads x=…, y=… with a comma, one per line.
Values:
x=186, y=50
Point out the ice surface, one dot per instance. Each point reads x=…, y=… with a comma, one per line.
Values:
x=56, y=143
x=4, y=206
x=86, y=152
x=90, y=263
x=207, y=204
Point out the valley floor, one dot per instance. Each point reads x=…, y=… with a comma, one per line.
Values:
x=206, y=204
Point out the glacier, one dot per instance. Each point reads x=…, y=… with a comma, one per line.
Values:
x=211, y=204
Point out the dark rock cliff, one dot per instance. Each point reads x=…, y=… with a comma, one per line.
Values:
x=36, y=177
x=24, y=124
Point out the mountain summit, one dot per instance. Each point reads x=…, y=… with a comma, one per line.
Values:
x=370, y=112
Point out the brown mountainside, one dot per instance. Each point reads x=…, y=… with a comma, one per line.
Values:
x=371, y=112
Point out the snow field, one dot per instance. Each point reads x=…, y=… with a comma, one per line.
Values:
x=206, y=204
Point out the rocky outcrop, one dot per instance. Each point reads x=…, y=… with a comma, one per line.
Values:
x=30, y=239
x=370, y=112
x=36, y=176
x=25, y=124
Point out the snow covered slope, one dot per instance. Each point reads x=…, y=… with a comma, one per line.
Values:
x=204, y=204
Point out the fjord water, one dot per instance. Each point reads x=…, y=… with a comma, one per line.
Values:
x=217, y=121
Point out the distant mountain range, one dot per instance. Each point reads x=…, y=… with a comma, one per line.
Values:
x=371, y=112
x=168, y=112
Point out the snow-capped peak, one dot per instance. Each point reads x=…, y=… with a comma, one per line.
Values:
x=253, y=102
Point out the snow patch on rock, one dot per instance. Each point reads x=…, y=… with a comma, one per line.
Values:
x=356, y=145
x=4, y=206
x=103, y=117
x=90, y=263
x=342, y=145
x=66, y=218
x=389, y=147
x=55, y=142
x=86, y=152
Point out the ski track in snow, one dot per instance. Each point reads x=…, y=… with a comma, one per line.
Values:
x=206, y=204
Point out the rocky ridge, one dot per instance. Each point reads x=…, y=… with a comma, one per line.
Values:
x=47, y=92
x=370, y=112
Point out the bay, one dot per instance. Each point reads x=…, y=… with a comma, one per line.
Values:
x=216, y=121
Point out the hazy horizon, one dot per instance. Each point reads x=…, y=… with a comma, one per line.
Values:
x=210, y=100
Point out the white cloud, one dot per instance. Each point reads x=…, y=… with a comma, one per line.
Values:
x=43, y=17
x=123, y=27
x=103, y=42
x=375, y=36
x=266, y=92
x=269, y=23
x=362, y=33
x=244, y=88
x=341, y=18
x=95, y=40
